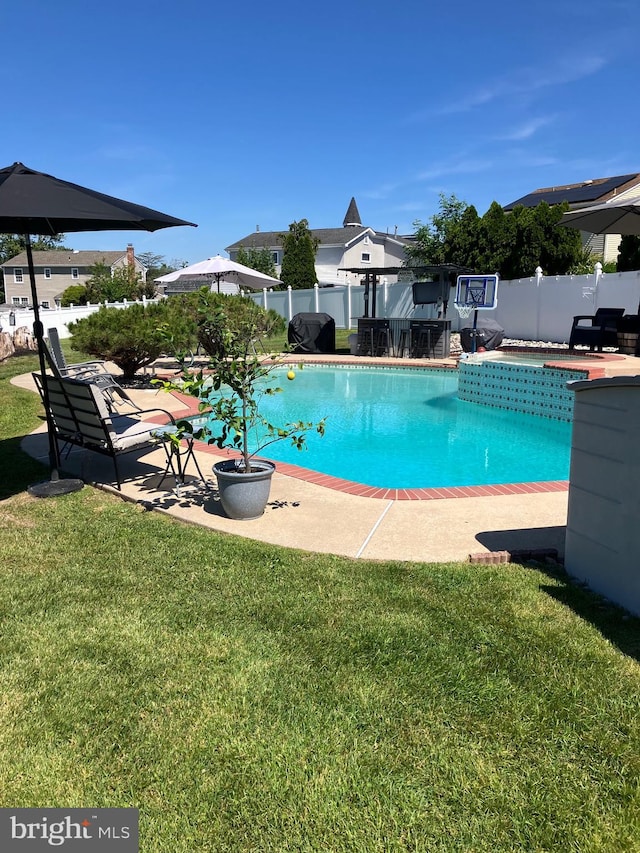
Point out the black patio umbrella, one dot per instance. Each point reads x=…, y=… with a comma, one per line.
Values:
x=35, y=203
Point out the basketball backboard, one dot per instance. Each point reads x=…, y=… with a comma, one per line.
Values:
x=479, y=292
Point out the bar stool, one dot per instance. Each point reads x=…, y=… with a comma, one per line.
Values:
x=421, y=344
x=382, y=338
x=366, y=337
x=404, y=343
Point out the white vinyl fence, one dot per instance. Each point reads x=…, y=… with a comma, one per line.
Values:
x=540, y=308
x=53, y=318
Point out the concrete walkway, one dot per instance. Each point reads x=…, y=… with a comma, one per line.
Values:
x=301, y=514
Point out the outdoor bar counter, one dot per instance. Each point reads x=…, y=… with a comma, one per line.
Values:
x=404, y=337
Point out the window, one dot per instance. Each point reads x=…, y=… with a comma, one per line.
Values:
x=74, y=272
x=45, y=304
x=24, y=300
x=17, y=275
x=47, y=272
x=366, y=257
x=274, y=257
x=15, y=300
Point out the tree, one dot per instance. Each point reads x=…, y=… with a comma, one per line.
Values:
x=158, y=266
x=13, y=244
x=122, y=283
x=235, y=381
x=430, y=239
x=257, y=259
x=185, y=311
x=298, y=262
x=510, y=243
x=629, y=253
x=75, y=294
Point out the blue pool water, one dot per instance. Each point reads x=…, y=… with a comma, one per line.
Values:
x=400, y=428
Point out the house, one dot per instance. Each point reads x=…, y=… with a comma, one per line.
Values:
x=353, y=245
x=593, y=191
x=58, y=269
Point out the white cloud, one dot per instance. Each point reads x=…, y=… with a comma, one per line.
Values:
x=458, y=167
x=381, y=192
x=408, y=207
x=522, y=81
x=526, y=130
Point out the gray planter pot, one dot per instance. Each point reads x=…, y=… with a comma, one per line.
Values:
x=244, y=496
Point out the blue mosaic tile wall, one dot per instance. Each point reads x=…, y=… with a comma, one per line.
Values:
x=519, y=387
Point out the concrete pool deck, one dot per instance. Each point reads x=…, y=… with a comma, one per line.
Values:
x=304, y=513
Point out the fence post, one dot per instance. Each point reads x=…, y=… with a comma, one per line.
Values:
x=347, y=323
x=316, y=300
x=264, y=298
x=539, y=278
x=597, y=275
x=289, y=302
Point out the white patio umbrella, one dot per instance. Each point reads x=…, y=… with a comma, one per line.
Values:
x=612, y=217
x=221, y=269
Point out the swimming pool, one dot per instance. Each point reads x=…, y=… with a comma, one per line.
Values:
x=403, y=428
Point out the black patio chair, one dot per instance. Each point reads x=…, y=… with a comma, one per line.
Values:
x=596, y=330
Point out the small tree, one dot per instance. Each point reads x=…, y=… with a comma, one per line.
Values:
x=75, y=294
x=122, y=283
x=430, y=239
x=257, y=259
x=298, y=262
x=235, y=380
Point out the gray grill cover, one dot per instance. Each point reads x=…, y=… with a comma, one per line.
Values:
x=489, y=334
x=312, y=333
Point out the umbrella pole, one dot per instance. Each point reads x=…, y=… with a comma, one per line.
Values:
x=55, y=486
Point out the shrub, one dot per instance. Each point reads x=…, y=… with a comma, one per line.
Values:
x=239, y=312
x=136, y=336
x=75, y=294
x=132, y=337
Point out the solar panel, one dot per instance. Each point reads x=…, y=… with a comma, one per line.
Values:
x=574, y=195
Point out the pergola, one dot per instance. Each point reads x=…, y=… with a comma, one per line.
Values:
x=444, y=274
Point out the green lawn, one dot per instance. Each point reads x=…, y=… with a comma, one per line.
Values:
x=251, y=698
x=279, y=342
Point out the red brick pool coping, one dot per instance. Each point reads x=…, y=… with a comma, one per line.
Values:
x=349, y=487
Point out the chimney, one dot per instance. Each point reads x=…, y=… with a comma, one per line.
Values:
x=130, y=256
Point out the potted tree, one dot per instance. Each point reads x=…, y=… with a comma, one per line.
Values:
x=229, y=389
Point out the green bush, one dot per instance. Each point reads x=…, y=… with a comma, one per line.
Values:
x=136, y=336
x=132, y=337
x=75, y=294
x=239, y=312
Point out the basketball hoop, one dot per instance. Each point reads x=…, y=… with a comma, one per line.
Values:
x=464, y=310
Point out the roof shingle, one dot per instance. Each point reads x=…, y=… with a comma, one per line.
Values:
x=587, y=192
x=65, y=258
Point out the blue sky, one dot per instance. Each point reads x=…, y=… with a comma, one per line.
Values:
x=233, y=115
